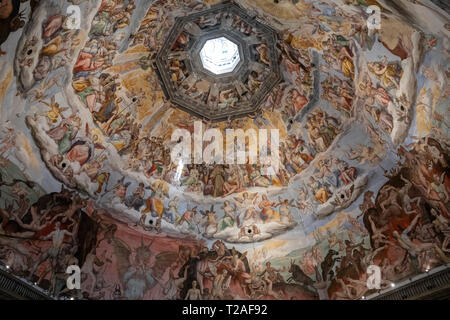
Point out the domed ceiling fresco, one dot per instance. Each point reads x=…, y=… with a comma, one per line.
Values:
x=93, y=94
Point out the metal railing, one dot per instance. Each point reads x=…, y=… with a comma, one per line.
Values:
x=421, y=286
x=15, y=288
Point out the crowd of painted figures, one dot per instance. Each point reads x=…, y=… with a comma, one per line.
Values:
x=115, y=114
x=404, y=231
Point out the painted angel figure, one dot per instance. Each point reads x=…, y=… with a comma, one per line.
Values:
x=210, y=224
x=246, y=202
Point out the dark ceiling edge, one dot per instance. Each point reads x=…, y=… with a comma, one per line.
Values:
x=432, y=285
x=13, y=288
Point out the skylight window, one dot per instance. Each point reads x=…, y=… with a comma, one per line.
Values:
x=220, y=55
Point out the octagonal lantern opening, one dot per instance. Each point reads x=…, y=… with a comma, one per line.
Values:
x=220, y=55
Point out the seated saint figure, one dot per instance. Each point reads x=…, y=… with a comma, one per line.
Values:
x=267, y=213
x=320, y=191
